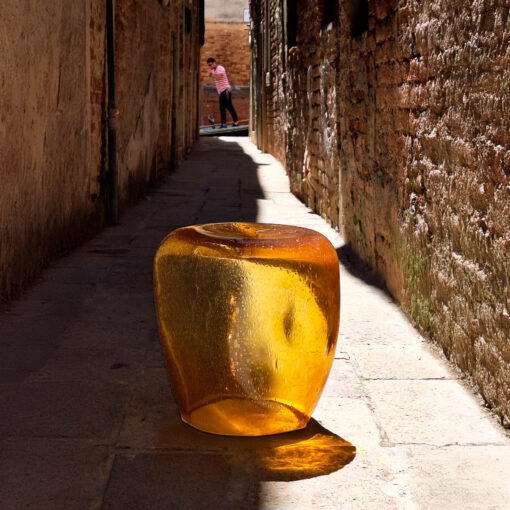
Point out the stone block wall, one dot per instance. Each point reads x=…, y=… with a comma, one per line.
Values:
x=53, y=111
x=393, y=122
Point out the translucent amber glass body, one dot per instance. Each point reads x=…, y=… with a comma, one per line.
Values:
x=248, y=321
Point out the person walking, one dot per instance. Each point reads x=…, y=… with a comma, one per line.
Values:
x=224, y=90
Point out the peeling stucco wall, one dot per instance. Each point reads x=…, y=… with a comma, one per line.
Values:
x=393, y=122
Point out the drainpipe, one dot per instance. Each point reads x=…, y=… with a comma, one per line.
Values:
x=113, y=188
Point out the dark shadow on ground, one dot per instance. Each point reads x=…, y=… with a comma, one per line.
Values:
x=209, y=472
x=194, y=469
x=306, y=453
x=85, y=401
x=352, y=263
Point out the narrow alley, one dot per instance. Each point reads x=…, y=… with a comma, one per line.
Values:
x=88, y=418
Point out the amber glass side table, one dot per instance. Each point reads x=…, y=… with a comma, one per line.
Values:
x=248, y=321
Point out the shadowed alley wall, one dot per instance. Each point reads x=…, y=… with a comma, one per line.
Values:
x=53, y=114
x=392, y=119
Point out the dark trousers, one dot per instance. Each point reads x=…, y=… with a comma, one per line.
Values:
x=226, y=104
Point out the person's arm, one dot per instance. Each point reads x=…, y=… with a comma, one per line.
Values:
x=219, y=73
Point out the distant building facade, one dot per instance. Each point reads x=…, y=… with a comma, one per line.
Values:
x=227, y=40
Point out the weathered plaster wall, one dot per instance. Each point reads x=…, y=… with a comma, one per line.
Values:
x=394, y=124
x=49, y=190
x=53, y=140
x=143, y=69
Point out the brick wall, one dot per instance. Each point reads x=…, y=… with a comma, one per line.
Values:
x=209, y=104
x=393, y=123
x=228, y=43
x=53, y=143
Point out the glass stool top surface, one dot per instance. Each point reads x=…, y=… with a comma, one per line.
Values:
x=256, y=233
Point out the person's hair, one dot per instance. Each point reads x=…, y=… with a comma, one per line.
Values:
x=211, y=59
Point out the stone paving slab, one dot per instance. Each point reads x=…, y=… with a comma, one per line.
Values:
x=56, y=409
x=180, y=480
x=431, y=412
x=458, y=467
x=44, y=473
x=87, y=416
x=398, y=362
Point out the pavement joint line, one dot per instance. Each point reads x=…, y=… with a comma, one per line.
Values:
x=117, y=430
x=108, y=474
x=365, y=396
x=162, y=450
x=410, y=378
x=449, y=445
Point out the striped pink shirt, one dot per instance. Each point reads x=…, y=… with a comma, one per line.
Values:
x=222, y=83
